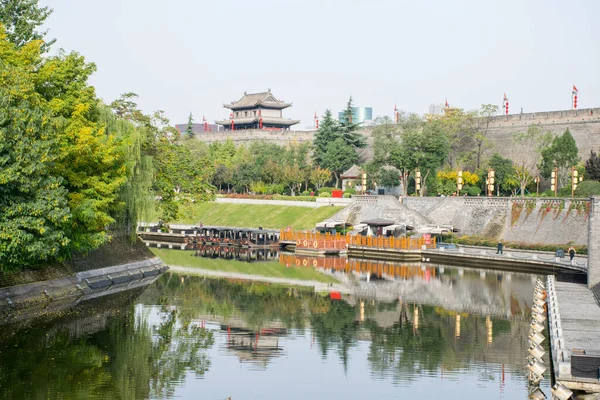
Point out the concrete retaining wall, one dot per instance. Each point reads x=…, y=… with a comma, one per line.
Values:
x=541, y=220
x=33, y=299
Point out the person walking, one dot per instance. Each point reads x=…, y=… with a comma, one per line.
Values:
x=571, y=253
x=500, y=246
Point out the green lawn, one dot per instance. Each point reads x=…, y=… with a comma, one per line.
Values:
x=254, y=215
x=186, y=258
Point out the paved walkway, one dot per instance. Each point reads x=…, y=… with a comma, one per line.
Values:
x=574, y=320
x=579, y=262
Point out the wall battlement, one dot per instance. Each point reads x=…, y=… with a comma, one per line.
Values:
x=585, y=115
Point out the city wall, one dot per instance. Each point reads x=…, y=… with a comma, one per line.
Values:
x=529, y=220
x=584, y=125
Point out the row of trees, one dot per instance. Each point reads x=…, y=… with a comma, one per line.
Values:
x=439, y=145
x=264, y=168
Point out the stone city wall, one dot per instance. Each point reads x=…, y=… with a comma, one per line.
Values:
x=584, y=125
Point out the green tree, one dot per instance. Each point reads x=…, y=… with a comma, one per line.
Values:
x=349, y=128
x=319, y=177
x=34, y=209
x=293, y=176
x=480, y=137
x=327, y=133
x=527, y=149
x=189, y=129
x=504, y=173
x=561, y=154
x=21, y=19
x=339, y=156
x=592, y=167
x=460, y=128
x=386, y=135
x=388, y=178
x=425, y=149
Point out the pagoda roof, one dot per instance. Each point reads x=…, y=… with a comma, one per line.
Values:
x=252, y=100
x=352, y=172
x=254, y=120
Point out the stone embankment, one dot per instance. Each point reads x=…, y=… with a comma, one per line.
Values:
x=95, y=275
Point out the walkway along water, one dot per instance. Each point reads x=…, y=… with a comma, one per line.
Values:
x=424, y=249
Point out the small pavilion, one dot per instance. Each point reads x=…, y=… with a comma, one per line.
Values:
x=257, y=111
x=351, y=178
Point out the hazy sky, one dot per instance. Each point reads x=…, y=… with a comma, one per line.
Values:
x=185, y=55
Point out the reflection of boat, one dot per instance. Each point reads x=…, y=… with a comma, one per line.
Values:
x=254, y=346
x=237, y=253
x=187, y=237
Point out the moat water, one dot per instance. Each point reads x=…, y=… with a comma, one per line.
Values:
x=427, y=332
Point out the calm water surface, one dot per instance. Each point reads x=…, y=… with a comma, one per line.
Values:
x=415, y=332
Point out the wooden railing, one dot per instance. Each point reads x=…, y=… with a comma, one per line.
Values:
x=378, y=242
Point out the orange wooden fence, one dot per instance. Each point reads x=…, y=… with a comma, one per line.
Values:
x=308, y=239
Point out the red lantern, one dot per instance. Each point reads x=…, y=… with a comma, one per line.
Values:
x=232, y=125
x=260, y=123
x=317, y=123
x=507, y=108
x=575, y=101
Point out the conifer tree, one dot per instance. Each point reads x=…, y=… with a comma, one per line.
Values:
x=592, y=167
x=189, y=129
x=327, y=133
x=349, y=128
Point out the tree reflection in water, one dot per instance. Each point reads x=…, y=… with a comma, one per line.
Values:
x=117, y=353
x=144, y=345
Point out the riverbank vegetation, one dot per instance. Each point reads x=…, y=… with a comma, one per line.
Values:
x=271, y=269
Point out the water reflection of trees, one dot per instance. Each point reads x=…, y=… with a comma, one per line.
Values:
x=400, y=349
x=146, y=350
x=129, y=358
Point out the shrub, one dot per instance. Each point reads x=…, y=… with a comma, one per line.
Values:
x=259, y=187
x=325, y=194
x=276, y=189
x=349, y=191
x=347, y=195
x=474, y=191
x=306, y=193
x=325, y=190
x=587, y=189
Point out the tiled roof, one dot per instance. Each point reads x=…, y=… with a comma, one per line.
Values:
x=352, y=172
x=264, y=99
x=254, y=120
